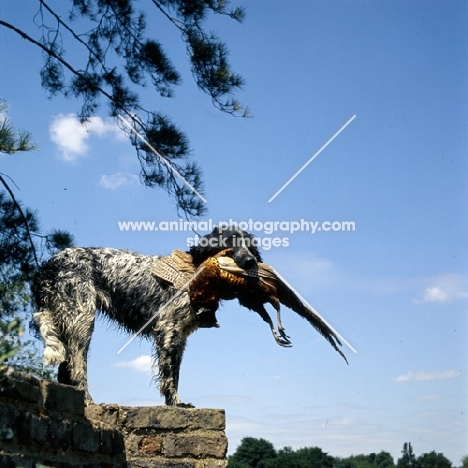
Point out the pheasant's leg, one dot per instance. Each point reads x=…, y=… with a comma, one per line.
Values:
x=281, y=329
x=282, y=341
x=277, y=305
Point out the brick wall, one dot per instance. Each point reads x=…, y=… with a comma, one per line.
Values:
x=46, y=423
x=169, y=437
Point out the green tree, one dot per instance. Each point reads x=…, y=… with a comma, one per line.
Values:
x=464, y=461
x=113, y=58
x=381, y=460
x=433, y=460
x=252, y=453
x=20, y=243
x=354, y=461
x=408, y=459
x=236, y=464
x=373, y=460
x=310, y=457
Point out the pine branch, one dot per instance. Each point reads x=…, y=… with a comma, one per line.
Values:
x=23, y=217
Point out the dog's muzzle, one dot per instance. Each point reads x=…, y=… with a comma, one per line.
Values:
x=246, y=261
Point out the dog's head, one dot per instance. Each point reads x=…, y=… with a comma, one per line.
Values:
x=246, y=253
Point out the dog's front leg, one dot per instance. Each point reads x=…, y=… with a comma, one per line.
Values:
x=175, y=323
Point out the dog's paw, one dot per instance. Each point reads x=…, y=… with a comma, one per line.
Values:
x=185, y=405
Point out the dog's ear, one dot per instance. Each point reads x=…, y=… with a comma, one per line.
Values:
x=257, y=255
x=254, y=248
x=215, y=231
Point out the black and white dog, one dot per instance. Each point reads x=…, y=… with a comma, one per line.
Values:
x=78, y=282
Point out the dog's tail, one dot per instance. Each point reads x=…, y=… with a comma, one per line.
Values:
x=54, y=351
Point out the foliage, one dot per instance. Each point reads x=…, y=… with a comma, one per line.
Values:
x=259, y=453
x=236, y=464
x=252, y=453
x=381, y=460
x=12, y=141
x=433, y=460
x=113, y=57
x=9, y=331
x=312, y=457
x=408, y=459
x=21, y=247
x=373, y=460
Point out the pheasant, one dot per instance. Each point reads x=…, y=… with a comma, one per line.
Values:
x=220, y=278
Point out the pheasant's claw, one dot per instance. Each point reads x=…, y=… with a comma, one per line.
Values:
x=282, y=332
x=284, y=344
x=283, y=340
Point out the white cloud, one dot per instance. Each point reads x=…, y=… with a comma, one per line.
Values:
x=114, y=181
x=71, y=136
x=140, y=364
x=446, y=288
x=424, y=376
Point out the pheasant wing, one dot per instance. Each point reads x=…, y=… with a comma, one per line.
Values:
x=290, y=299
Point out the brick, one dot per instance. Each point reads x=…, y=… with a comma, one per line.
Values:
x=172, y=418
x=22, y=387
x=85, y=438
x=63, y=398
x=107, y=441
x=98, y=464
x=7, y=424
x=179, y=446
x=50, y=420
x=107, y=414
x=209, y=419
x=60, y=433
x=159, y=463
x=132, y=444
x=52, y=463
x=156, y=417
x=112, y=442
x=23, y=427
x=211, y=464
x=151, y=445
x=171, y=464
x=14, y=461
x=39, y=428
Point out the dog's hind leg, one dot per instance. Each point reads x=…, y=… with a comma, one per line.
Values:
x=74, y=370
x=67, y=344
x=54, y=349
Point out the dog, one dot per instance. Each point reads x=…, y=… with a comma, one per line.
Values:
x=76, y=283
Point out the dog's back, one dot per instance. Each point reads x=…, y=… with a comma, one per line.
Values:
x=77, y=282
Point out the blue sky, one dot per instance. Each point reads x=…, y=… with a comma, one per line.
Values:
x=395, y=288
